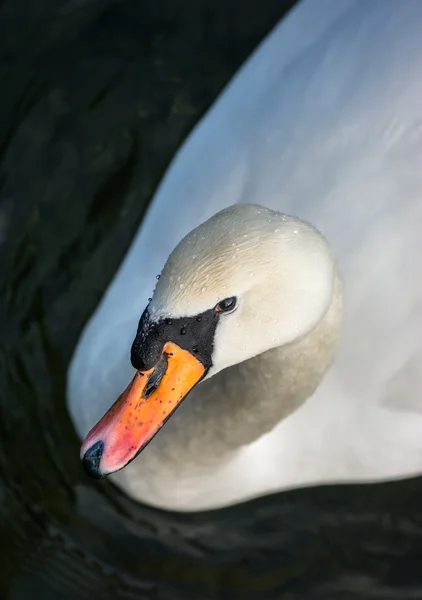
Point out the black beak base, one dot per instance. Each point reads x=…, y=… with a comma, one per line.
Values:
x=194, y=334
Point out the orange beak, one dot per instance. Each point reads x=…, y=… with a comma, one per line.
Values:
x=138, y=414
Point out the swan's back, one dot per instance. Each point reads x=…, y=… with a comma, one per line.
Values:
x=324, y=122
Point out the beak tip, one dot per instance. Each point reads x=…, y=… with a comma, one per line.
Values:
x=92, y=458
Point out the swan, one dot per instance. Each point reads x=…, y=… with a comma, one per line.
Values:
x=288, y=310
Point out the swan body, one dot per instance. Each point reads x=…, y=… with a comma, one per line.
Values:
x=323, y=122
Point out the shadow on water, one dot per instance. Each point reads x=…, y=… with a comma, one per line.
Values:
x=95, y=98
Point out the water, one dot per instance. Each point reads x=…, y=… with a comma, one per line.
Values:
x=95, y=98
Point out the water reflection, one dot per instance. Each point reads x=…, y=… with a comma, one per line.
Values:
x=96, y=97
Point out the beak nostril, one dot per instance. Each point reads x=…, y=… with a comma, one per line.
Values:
x=156, y=376
x=92, y=458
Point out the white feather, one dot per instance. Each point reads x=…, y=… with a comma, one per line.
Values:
x=323, y=122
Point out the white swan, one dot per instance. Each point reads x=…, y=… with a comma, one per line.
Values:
x=323, y=122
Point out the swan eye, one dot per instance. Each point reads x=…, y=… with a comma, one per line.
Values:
x=226, y=305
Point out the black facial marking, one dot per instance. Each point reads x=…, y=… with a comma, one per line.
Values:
x=195, y=334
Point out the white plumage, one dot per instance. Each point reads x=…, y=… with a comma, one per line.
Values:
x=324, y=122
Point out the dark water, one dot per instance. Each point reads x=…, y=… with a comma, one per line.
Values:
x=95, y=97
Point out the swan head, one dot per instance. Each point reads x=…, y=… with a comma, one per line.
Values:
x=246, y=281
